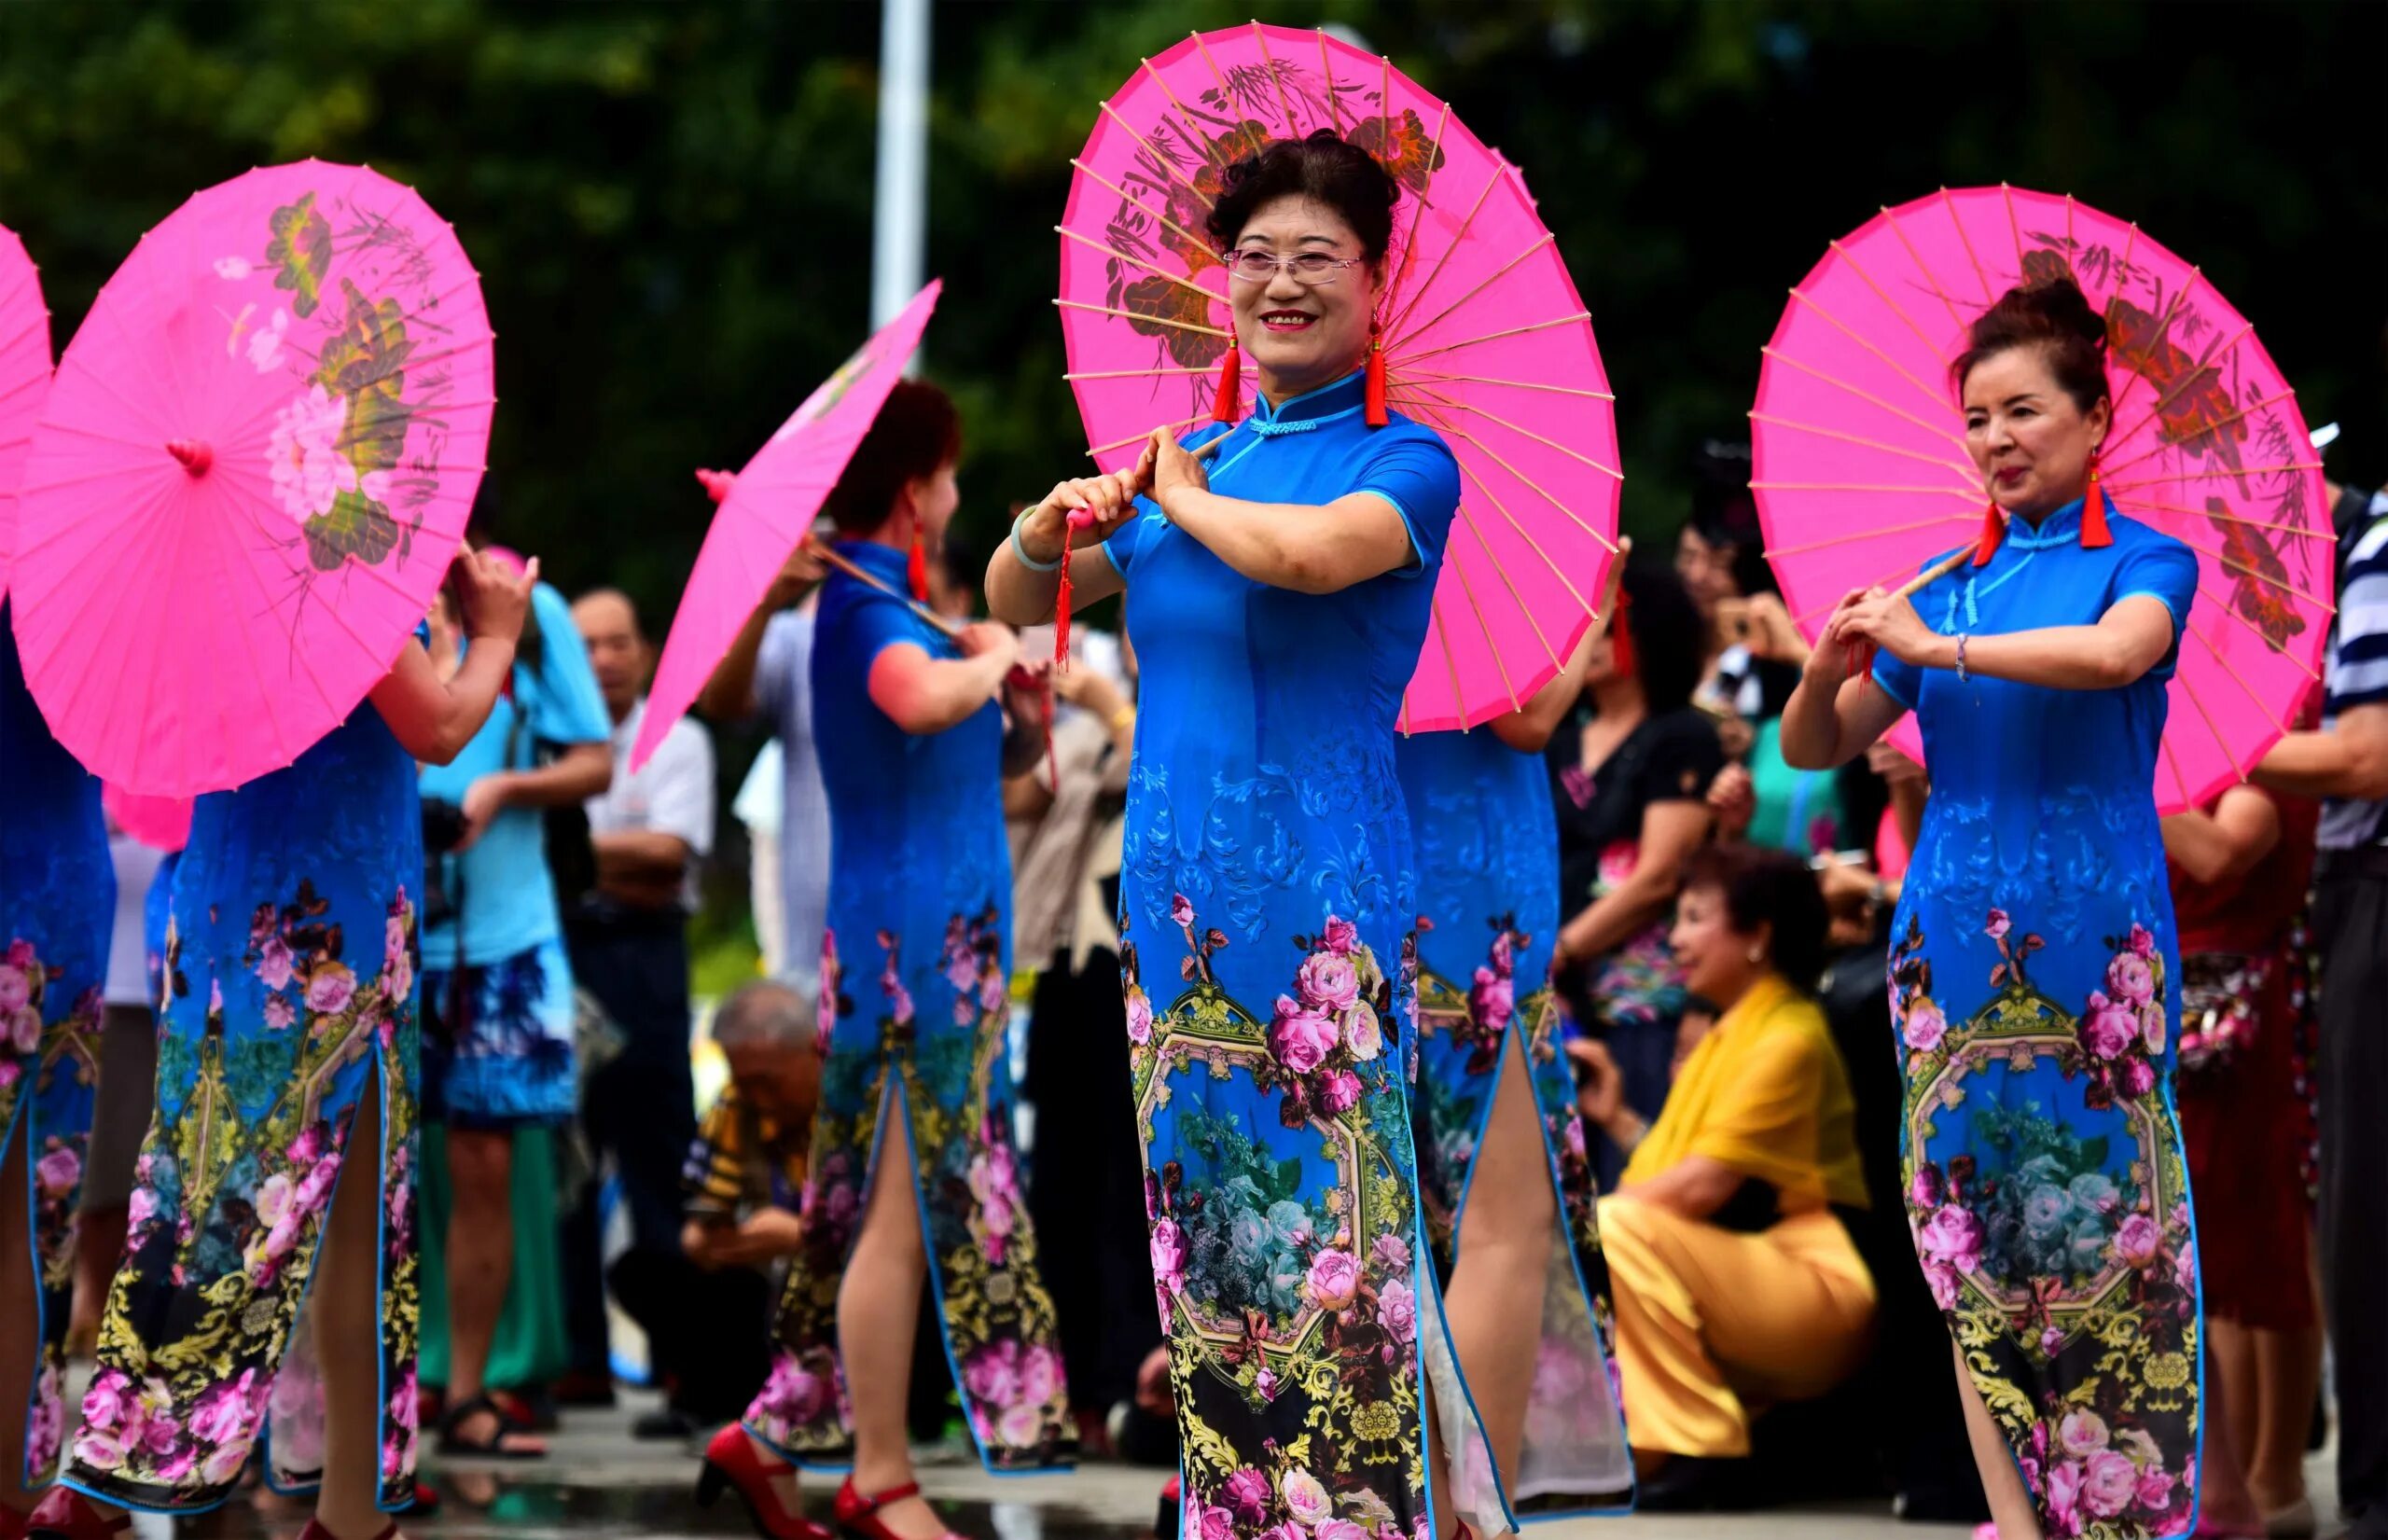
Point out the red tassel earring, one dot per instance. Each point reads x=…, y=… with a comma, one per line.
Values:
x=918, y=568
x=1622, y=657
x=1993, y=530
x=1375, y=386
x=2094, y=533
x=1227, y=404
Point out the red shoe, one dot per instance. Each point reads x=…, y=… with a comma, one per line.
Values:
x=66, y=1514
x=316, y=1530
x=731, y=1461
x=858, y=1514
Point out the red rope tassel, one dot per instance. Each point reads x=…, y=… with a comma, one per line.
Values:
x=917, y=568
x=1376, y=417
x=1993, y=531
x=1078, y=519
x=1623, y=658
x=1226, y=403
x=2094, y=533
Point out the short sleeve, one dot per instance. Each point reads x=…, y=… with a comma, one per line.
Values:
x=2165, y=571
x=563, y=706
x=1902, y=681
x=1684, y=758
x=1122, y=547
x=679, y=789
x=779, y=664
x=1419, y=476
x=880, y=621
x=2358, y=665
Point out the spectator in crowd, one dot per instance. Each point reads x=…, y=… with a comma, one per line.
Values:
x=497, y=994
x=757, y=807
x=2240, y=866
x=648, y=829
x=1736, y=1281
x=1085, y=1194
x=745, y=1186
x=769, y=671
x=954, y=574
x=2346, y=762
x=1720, y=555
x=1630, y=771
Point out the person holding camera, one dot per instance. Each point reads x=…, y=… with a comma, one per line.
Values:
x=497, y=991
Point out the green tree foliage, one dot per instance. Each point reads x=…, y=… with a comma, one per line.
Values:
x=670, y=203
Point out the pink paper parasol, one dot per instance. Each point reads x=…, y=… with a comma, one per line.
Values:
x=1485, y=337
x=24, y=379
x=1862, y=476
x=160, y=823
x=256, y=461
x=767, y=509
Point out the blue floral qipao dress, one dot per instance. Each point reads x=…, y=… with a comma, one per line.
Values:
x=2034, y=978
x=1265, y=904
x=57, y=912
x=915, y=976
x=1488, y=911
x=290, y=974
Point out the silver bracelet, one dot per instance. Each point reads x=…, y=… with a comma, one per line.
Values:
x=1020, y=551
x=1961, y=648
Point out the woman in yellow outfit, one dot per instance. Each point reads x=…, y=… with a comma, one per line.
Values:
x=1735, y=1285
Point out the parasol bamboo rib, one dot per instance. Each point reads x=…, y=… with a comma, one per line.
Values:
x=2255, y=631
x=1495, y=276
x=2173, y=762
x=1520, y=530
x=1495, y=455
x=1901, y=369
x=1326, y=73
x=1157, y=372
x=1284, y=102
x=1394, y=324
x=1127, y=197
x=1467, y=590
x=1157, y=155
x=2298, y=530
x=2238, y=678
x=1513, y=385
x=1942, y=295
x=1186, y=120
x=2201, y=428
x=1498, y=421
x=1988, y=297
x=2245, y=571
x=1501, y=571
x=2230, y=756
x=1494, y=337
x=2192, y=377
x=1227, y=97
x=1879, y=293
x=1861, y=536
x=1857, y=486
x=1181, y=282
x=1418, y=209
x=2015, y=228
x=1870, y=398
x=1915, y=585
x=1132, y=315
x=2163, y=328
x=1123, y=443
x=2070, y=245
x=1963, y=470
x=2243, y=470
x=1450, y=663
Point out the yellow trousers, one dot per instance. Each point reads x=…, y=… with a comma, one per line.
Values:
x=1710, y=1320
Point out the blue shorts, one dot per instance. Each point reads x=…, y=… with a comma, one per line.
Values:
x=497, y=1042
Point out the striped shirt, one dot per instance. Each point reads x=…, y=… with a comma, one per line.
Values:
x=2356, y=673
x=742, y=1162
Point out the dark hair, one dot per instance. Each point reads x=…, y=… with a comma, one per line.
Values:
x=960, y=563
x=1764, y=887
x=2054, y=316
x=1327, y=166
x=914, y=433
x=1670, y=640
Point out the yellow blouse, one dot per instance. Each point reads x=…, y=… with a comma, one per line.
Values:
x=1765, y=1093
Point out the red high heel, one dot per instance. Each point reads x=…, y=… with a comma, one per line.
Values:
x=66, y=1514
x=316, y=1530
x=731, y=1462
x=858, y=1514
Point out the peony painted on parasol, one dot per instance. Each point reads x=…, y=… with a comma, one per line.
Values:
x=768, y=509
x=24, y=379
x=255, y=462
x=1862, y=476
x=1485, y=336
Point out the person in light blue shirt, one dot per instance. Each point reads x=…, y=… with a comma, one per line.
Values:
x=497, y=992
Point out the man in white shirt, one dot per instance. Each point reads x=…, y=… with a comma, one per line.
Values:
x=630, y=950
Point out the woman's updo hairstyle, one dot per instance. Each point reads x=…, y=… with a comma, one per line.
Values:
x=917, y=433
x=2054, y=316
x=1762, y=886
x=1325, y=167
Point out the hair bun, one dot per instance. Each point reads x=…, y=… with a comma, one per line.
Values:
x=2066, y=308
x=2050, y=314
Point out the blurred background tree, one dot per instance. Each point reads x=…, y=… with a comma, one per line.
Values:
x=669, y=203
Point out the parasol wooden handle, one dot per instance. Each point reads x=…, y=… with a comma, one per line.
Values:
x=1938, y=570
x=831, y=557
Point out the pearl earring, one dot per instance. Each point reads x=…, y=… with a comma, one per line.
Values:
x=1757, y=955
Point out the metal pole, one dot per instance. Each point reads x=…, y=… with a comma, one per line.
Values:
x=901, y=224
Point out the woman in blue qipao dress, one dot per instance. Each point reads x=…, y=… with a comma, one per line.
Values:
x=1509, y=1204
x=2034, y=970
x=290, y=990
x=57, y=907
x=1278, y=605
x=913, y=1172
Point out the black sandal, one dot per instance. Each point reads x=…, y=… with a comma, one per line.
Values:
x=454, y=1445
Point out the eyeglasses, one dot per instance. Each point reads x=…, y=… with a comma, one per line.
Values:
x=1310, y=269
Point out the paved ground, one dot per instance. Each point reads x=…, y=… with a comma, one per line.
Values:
x=601, y=1483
